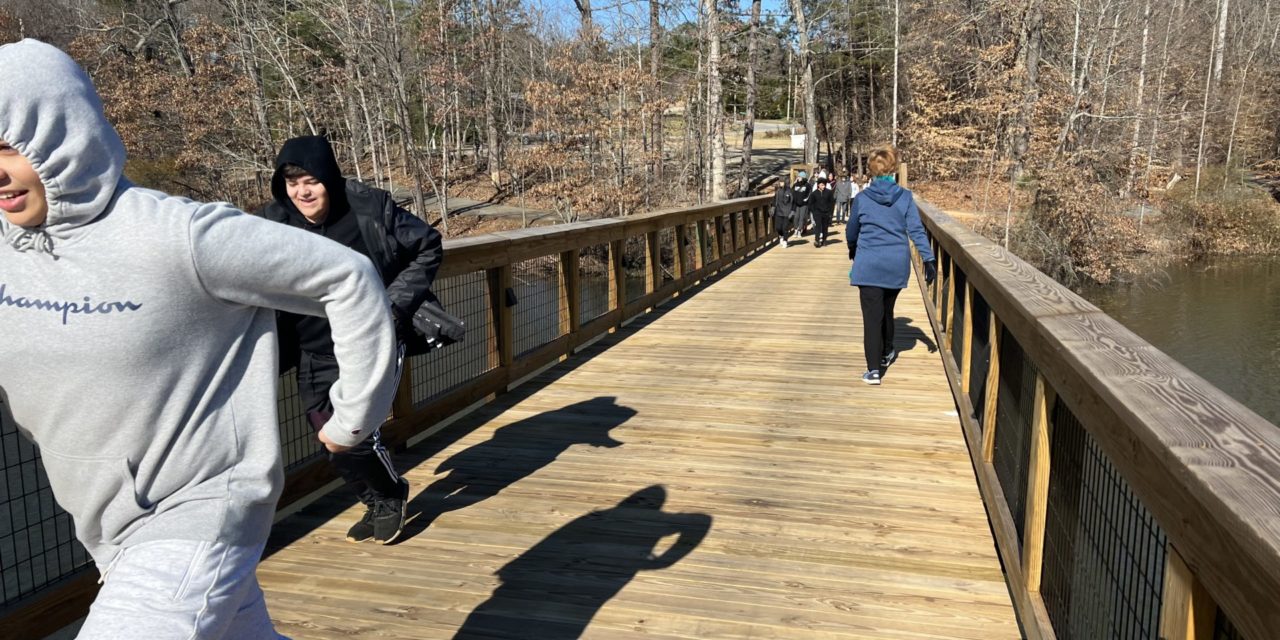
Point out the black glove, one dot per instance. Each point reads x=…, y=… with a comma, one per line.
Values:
x=403, y=323
x=930, y=271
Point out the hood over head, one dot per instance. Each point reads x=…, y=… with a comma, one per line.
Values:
x=50, y=113
x=315, y=155
x=885, y=192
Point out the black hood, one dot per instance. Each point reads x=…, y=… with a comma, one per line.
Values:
x=315, y=155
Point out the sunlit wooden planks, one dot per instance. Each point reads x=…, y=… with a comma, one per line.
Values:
x=810, y=505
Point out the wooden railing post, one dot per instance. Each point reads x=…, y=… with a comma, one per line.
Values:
x=653, y=262
x=1037, y=485
x=570, y=295
x=966, y=341
x=617, y=277
x=1187, y=611
x=989, y=407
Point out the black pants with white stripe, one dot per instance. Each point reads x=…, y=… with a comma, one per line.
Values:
x=367, y=466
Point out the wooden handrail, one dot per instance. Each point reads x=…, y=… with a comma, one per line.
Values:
x=1206, y=467
x=495, y=254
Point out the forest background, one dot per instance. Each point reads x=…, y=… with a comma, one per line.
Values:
x=1081, y=133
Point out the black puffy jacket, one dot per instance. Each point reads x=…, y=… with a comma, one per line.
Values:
x=406, y=251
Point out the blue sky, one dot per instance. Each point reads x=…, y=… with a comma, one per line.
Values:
x=620, y=17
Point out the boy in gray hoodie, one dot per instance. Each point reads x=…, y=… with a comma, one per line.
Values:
x=140, y=356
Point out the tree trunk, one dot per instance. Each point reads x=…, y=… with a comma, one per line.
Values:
x=1220, y=49
x=806, y=75
x=584, y=10
x=715, y=109
x=1204, y=108
x=1029, y=57
x=1029, y=43
x=749, y=126
x=1138, y=106
x=894, y=135
x=655, y=62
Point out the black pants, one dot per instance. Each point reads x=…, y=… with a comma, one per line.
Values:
x=367, y=466
x=782, y=226
x=877, y=323
x=821, y=225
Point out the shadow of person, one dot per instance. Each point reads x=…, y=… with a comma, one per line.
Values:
x=512, y=453
x=906, y=337
x=553, y=590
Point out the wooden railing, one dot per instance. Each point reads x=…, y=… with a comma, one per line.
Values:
x=1129, y=497
x=530, y=299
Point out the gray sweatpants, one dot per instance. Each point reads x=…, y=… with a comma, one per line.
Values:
x=181, y=590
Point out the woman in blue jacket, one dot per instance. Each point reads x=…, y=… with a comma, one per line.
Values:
x=883, y=216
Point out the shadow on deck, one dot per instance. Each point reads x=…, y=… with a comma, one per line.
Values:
x=712, y=470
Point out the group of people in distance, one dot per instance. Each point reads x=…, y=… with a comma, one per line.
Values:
x=144, y=336
x=881, y=221
x=799, y=205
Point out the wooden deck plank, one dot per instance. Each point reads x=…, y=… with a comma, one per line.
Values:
x=714, y=471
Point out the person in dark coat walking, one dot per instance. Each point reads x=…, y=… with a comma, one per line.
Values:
x=310, y=193
x=800, y=203
x=883, y=217
x=822, y=202
x=782, y=212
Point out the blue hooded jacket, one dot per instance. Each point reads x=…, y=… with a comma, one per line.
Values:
x=882, y=217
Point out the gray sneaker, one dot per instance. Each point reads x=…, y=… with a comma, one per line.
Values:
x=888, y=359
x=871, y=377
x=389, y=515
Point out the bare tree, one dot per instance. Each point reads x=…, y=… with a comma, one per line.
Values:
x=715, y=108
x=749, y=124
x=806, y=75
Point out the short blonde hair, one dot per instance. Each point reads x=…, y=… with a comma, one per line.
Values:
x=883, y=162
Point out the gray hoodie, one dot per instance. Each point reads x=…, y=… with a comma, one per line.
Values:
x=139, y=349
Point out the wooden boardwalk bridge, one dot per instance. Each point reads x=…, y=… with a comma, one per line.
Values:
x=656, y=429
x=715, y=469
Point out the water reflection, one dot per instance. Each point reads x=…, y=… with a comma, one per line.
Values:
x=1219, y=317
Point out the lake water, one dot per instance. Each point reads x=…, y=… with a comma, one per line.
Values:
x=1220, y=317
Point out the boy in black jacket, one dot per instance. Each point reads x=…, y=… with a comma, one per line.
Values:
x=310, y=193
x=822, y=201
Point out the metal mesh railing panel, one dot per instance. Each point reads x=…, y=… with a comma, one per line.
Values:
x=537, y=311
x=957, y=327
x=298, y=443
x=467, y=297
x=709, y=241
x=1223, y=629
x=1013, y=426
x=634, y=264
x=37, y=539
x=689, y=251
x=1104, y=553
x=943, y=279
x=980, y=355
x=667, y=254
x=593, y=282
